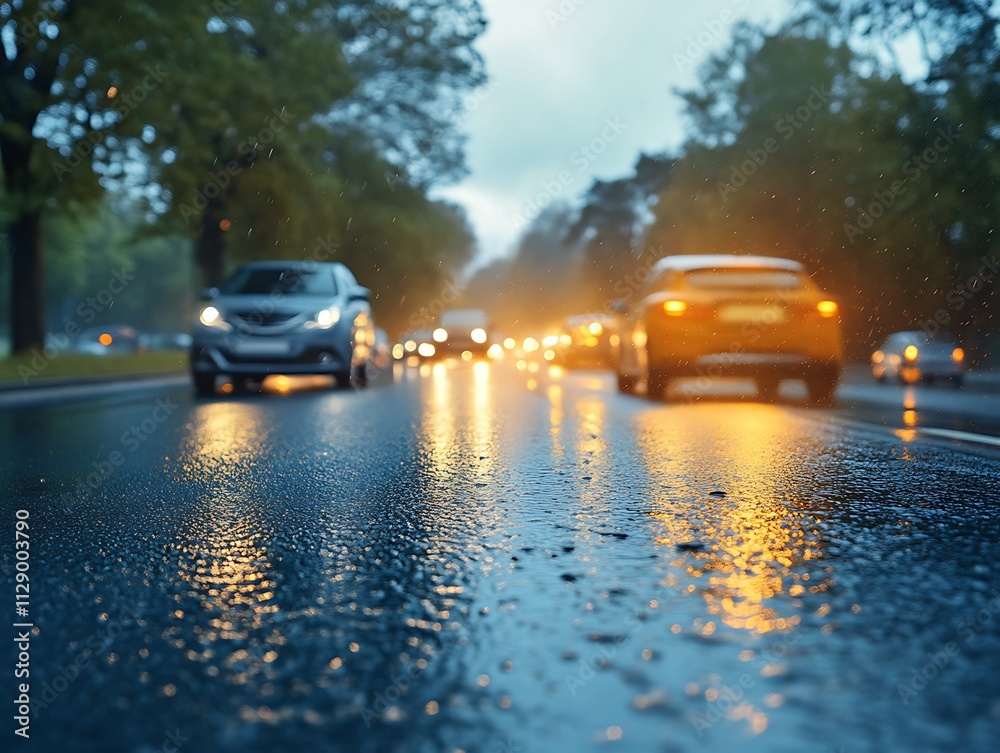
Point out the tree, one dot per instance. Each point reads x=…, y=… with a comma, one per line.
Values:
x=960, y=47
x=232, y=121
x=805, y=149
x=414, y=64
x=62, y=66
x=245, y=89
x=613, y=221
x=302, y=96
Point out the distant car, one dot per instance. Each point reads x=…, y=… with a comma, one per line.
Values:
x=908, y=357
x=111, y=339
x=165, y=341
x=717, y=315
x=284, y=317
x=588, y=341
x=462, y=331
x=418, y=344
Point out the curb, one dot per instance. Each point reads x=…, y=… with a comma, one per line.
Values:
x=15, y=385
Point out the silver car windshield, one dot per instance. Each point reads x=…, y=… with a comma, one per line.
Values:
x=251, y=281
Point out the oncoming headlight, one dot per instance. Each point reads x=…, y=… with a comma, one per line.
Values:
x=324, y=318
x=211, y=317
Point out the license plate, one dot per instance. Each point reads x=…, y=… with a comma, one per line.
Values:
x=743, y=314
x=261, y=347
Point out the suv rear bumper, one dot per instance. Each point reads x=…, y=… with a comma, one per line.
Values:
x=777, y=365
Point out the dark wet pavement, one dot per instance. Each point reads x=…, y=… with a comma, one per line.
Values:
x=480, y=559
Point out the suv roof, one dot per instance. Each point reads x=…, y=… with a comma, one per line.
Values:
x=691, y=262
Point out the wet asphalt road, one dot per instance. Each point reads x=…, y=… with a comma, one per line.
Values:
x=480, y=559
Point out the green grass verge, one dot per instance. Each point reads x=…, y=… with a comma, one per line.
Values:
x=17, y=368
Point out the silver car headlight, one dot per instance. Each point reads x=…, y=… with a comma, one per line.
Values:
x=212, y=317
x=324, y=318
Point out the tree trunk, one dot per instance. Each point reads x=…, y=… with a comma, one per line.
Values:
x=209, y=248
x=27, y=272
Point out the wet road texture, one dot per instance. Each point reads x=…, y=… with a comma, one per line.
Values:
x=481, y=559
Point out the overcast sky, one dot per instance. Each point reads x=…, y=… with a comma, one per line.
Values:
x=578, y=89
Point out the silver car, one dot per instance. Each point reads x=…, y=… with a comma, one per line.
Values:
x=908, y=357
x=281, y=317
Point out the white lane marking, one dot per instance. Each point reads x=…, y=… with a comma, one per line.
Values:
x=961, y=436
x=913, y=432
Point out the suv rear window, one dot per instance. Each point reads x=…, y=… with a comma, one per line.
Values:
x=744, y=279
x=291, y=281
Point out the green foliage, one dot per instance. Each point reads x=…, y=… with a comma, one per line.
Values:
x=803, y=148
x=256, y=128
x=90, y=252
x=69, y=365
x=612, y=221
x=808, y=144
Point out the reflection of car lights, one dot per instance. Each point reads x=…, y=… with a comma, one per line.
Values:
x=596, y=328
x=827, y=309
x=958, y=355
x=911, y=353
x=426, y=350
x=440, y=335
x=674, y=308
x=478, y=335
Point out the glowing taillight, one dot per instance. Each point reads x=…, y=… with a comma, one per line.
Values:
x=827, y=309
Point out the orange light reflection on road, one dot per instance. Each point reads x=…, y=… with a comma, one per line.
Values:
x=222, y=557
x=753, y=540
x=456, y=422
x=485, y=421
